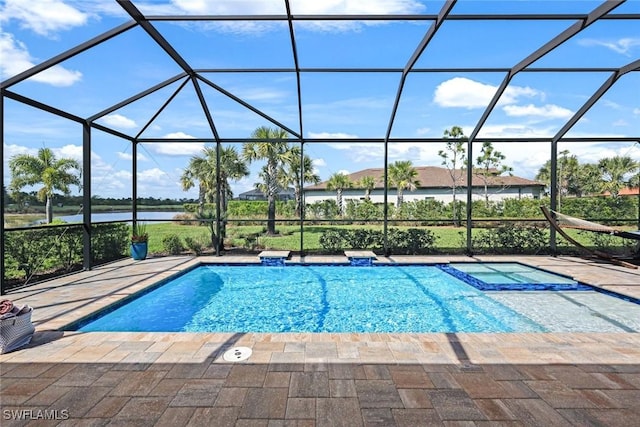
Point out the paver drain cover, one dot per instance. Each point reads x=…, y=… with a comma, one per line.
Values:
x=237, y=354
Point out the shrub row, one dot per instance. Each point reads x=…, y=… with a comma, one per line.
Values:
x=410, y=241
x=29, y=252
x=596, y=208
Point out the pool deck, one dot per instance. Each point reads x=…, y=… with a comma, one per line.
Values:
x=305, y=379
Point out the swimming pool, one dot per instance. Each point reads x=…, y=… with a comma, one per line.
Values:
x=324, y=298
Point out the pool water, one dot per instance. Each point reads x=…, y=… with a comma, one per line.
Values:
x=321, y=298
x=511, y=276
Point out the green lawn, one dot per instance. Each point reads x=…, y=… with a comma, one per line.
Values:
x=253, y=236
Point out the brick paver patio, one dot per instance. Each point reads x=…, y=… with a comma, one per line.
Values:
x=175, y=379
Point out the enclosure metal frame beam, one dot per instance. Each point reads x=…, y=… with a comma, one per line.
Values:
x=558, y=40
x=431, y=31
x=247, y=105
x=137, y=97
x=203, y=103
x=67, y=54
x=86, y=196
x=155, y=35
x=296, y=63
x=2, y=200
x=608, y=84
x=304, y=70
x=393, y=17
x=161, y=109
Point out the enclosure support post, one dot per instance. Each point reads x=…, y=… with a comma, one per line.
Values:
x=469, y=197
x=385, y=209
x=86, y=195
x=134, y=181
x=554, y=190
x=2, y=197
x=301, y=196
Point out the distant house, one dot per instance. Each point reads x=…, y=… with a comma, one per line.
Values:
x=255, y=194
x=435, y=183
x=625, y=192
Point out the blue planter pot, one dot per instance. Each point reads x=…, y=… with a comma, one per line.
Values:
x=139, y=250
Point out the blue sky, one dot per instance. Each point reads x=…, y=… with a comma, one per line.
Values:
x=346, y=105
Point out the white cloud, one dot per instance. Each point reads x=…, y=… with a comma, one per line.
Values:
x=423, y=131
x=260, y=94
x=466, y=93
x=620, y=122
x=330, y=135
x=11, y=150
x=622, y=46
x=611, y=104
x=70, y=151
x=119, y=121
x=43, y=17
x=299, y=7
x=316, y=164
x=548, y=111
x=176, y=148
x=636, y=111
x=344, y=171
x=129, y=156
x=153, y=175
x=178, y=135
x=15, y=58
x=516, y=130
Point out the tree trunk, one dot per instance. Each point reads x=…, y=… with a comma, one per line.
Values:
x=200, y=200
x=339, y=200
x=455, y=207
x=272, y=189
x=49, y=210
x=223, y=218
x=399, y=198
x=486, y=195
x=298, y=196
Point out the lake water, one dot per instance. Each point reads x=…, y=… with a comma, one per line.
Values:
x=120, y=216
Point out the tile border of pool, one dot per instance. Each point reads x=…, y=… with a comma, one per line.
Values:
x=76, y=324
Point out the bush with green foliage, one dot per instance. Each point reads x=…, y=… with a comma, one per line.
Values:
x=409, y=241
x=412, y=241
x=332, y=240
x=511, y=239
x=325, y=209
x=172, y=244
x=195, y=245
x=41, y=250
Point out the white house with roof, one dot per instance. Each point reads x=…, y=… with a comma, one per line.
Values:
x=435, y=184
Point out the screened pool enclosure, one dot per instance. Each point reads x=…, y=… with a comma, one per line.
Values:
x=420, y=121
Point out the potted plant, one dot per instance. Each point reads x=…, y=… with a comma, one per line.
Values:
x=139, y=241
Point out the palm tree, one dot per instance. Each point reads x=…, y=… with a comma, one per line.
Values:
x=203, y=169
x=44, y=168
x=273, y=148
x=368, y=183
x=490, y=164
x=291, y=172
x=453, y=158
x=567, y=174
x=615, y=173
x=339, y=182
x=402, y=175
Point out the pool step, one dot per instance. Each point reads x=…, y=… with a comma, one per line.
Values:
x=360, y=258
x=273, y=258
